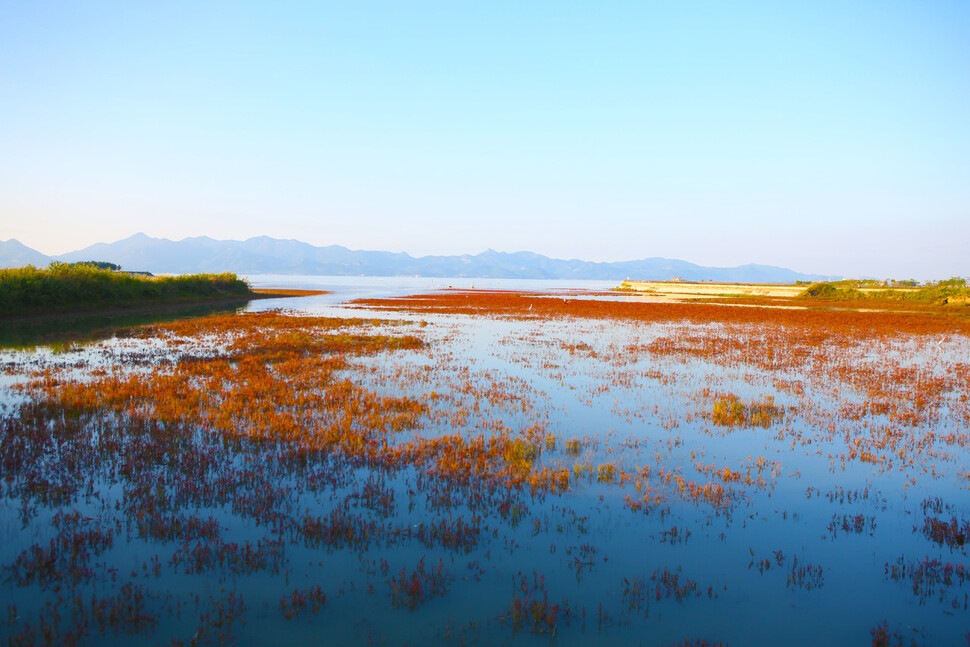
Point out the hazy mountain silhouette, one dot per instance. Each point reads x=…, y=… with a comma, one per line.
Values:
x=13, y=253
x=265, y=255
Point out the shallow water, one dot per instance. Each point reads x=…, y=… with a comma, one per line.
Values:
x=799, y=550
x=62, y=331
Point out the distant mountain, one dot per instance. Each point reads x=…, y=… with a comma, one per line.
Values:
x=265, y=255
x=13, y=253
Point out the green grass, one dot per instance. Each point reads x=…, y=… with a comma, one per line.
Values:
x=64, y=287
x=951, y=291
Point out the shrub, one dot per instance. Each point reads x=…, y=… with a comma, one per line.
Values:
x=68, y=286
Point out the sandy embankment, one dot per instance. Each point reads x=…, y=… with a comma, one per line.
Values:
x=687, y=289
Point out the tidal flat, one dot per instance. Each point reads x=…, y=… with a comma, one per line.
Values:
x=492, y=467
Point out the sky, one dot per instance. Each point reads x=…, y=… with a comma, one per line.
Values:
x=828, y=137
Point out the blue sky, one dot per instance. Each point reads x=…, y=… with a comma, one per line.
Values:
x=825, y=137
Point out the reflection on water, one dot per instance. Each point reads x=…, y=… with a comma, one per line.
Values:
x=723, y=482
x=347, y=288
x=89, y=327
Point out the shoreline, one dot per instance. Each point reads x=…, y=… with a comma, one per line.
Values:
x=137, y=307
x=29, y=330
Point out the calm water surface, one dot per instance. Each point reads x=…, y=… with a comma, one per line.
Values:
x=803, y=556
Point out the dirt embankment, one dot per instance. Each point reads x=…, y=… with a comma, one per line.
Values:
x=664, y=288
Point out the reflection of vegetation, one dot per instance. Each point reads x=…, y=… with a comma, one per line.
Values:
x=411, y=590
x=70, y=328
x=299, y=464
x=66, y=287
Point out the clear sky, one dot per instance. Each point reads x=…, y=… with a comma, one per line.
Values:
x=828, y=137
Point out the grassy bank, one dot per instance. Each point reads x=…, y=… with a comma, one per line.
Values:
x=950, y=292
x=64, y=287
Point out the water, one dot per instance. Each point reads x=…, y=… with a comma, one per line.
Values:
x=63, y=330
x=346, y=288
x=613, y=572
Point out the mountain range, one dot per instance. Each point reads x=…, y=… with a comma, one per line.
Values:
x=265, y=255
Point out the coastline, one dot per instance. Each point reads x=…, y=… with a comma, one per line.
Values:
x=134, y=307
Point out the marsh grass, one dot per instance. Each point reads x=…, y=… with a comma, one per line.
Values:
x=66, y=287
x=729, y=411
